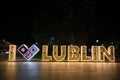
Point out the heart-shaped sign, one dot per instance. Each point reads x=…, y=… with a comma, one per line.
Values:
x=28, y=53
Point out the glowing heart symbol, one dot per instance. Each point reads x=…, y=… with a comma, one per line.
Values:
x=28, y=53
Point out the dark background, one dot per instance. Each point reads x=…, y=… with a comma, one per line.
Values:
x=99, y=19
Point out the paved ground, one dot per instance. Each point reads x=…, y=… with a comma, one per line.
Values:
x=59, y=71
x=36, y=70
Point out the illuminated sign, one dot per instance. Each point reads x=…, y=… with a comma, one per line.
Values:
x=28, y=53
x=12, y=53
x=70, y=53
x=76, y=53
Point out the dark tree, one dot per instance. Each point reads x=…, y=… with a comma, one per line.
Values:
x=69, y=22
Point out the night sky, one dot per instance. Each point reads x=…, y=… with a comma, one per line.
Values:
x=18, y=20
